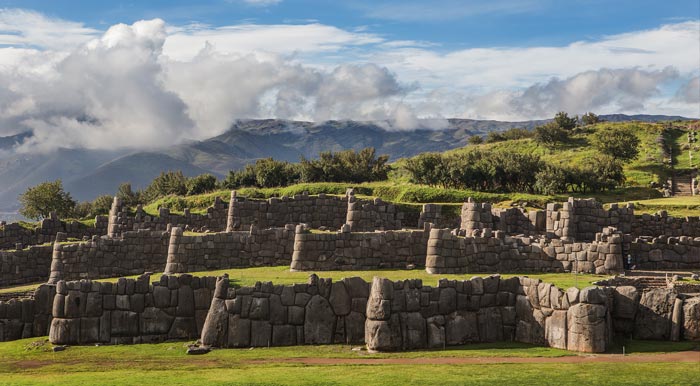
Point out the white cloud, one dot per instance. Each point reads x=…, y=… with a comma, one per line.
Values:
x=149, y=84
x=22, y=28
x=280, y=39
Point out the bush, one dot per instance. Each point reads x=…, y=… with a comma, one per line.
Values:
x=128, y=196
x=345, y=166
x=101, y=205
x=551, y=180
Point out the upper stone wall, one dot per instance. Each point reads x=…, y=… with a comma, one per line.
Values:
x=14, y=235
x=133, y=253
x=487, y=251
x=29, y=265
x=121, y=221
x=257, y=247
x=316, y=211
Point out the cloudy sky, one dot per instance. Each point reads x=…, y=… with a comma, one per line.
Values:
x=120, y=73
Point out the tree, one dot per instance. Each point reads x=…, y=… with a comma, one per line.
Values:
x=620, y=143
x=428, y=169
x=589, y=118
x=101, y=205
x=475, y=140
x=203, y=183
x=270, y=173
x=494, y=136
x=563, y=120
x=551, y=180
x=39, y=201
x=166, y=183
x=127, y=195
x=550, y=134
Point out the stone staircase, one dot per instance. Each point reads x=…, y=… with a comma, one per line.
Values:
x=682, y=185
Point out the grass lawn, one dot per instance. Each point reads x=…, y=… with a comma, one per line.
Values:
x=30, y=362
x=282, y=275
x=675, y=206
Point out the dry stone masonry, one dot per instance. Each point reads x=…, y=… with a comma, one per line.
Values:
x=318, y=312
x=130, y=310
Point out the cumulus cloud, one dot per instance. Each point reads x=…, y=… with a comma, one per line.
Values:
x=690, y=92
x=150, y=84
x=614, y=89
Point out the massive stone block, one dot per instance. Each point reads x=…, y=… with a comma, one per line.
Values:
x=586, y=326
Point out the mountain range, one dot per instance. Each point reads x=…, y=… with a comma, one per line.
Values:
x=87, y=173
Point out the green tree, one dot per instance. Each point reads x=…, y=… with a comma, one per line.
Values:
x=565, y=122
x=170, y=182
x=620, y=143
x=203, y=183
x=270, y=173
x=475, y=140
x=551, y=180
x=39, y=201
x=128, y=196
x=428, y=169
x=101, y=205
x=589, y=119
x=550, y=134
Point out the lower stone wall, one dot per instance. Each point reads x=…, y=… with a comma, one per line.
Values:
x=665, y=253
x=130, y=310
x=28, y=316
x=133, y=253
x=487, y=251
x=257, y=247
x=318, y=312
x=23, y=266
x=358, y=250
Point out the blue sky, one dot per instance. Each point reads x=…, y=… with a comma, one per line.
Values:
x=449, y=23
x=187, y=69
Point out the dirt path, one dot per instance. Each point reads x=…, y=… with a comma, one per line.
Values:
x=683, y=356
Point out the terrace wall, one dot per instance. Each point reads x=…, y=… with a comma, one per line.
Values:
x=496, y=252
x=257, y=247
x=318, y=312
x=358, y=251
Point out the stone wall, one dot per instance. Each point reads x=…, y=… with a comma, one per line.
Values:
x=518, y=221
x=661, y=224
x=367, y=216
x=121, y=221
x=581, y=219
x=318, y=312
x=487, y=251
x=358, y=251
x=134, y=253
x=316, y=211
x=14, y=235
x=27, y=317
x=665, y=253
x=130, y=310
x=476, y=216
x=29, y=265
x=239, y=249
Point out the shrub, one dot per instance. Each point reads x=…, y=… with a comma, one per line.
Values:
x=203, y=183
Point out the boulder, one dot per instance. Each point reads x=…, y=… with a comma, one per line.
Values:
x=586, y=326
x=340, y=299
x=460, y=327
x=490, y=324
x=555, y=330
x=319, y=324
x=216, y=324
x=383, y=335
x=691, y=319
x=238, y=332
x=64, y=331
x=653, y=319
x=413, y=331
x=155, y=321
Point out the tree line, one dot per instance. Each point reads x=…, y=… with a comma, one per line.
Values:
x=476, y=169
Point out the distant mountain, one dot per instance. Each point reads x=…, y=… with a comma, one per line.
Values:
x=89, y=173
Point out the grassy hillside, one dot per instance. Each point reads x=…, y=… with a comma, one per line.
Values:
x=649, y=165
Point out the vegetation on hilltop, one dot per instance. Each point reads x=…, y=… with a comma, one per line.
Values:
x=612, y=161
